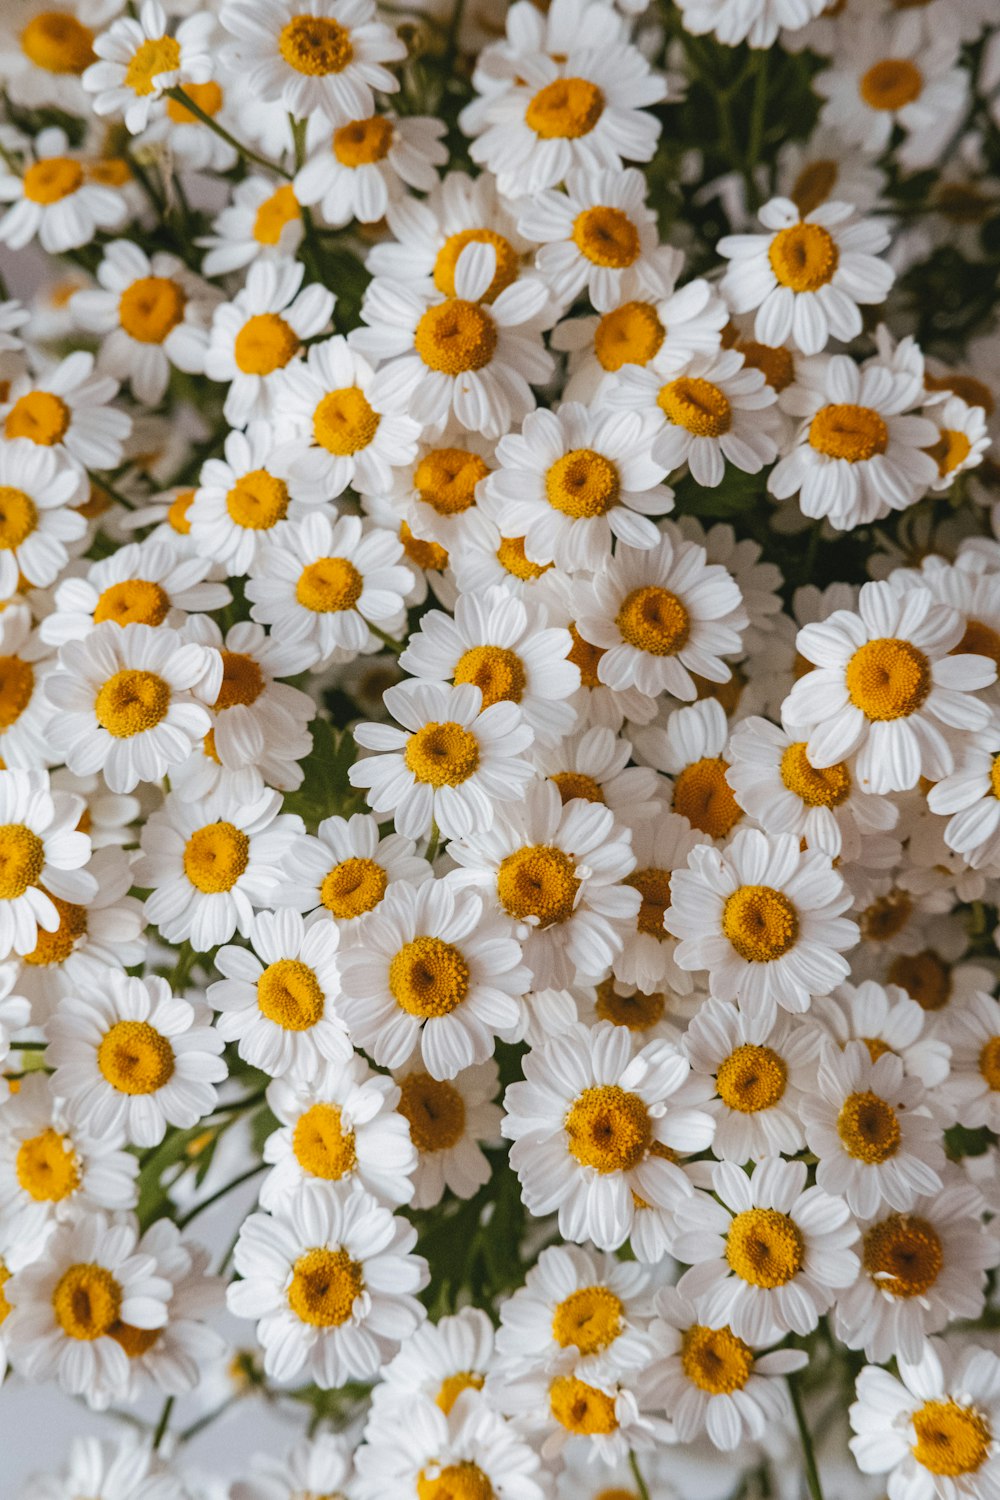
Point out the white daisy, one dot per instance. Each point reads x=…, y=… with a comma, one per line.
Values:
x=969, y=800
x=973, y=1089
x=15, y=1010
x=55, y=200
x=594, y=764
x=660, y=845
x=361, y=168
x=25, y=711
x=38, y=518
x=68, y=409
x=43, y=52
x=757, y=24
x=963, y=439
x=176, y=130
x=346, y=869
x=42, y=858
x=241, y=498
x=138, y=60
x=174, y=1357
x=315, y=1466
x=142, y=583
x=450, y=1121
x=886, y=1019
x=692, y=750
x=562, y=1412
x=439, y=1361
x=122, y=1468
x=260, y=221
x=438, y=498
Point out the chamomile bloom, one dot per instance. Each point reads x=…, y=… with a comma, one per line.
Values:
x=973, y=1088
x=594, y=764
x=692, y=748
x=44, y=51
x=257, y=335
x=450, y=1121
x=886, y=1019
x=15, y=1010
x=173, y=1358
x=438, y=498
x=767, y=1255
x=660, y=845
x=142, y=583
x=55, y=200
x=342, y=1125
x=38, y=521
x=177, y=131
x=42, y=857
x=764, y=918
x=279, y=999
x=131, y=1058
x=451, y=764
x=361, y=168
x=260, y=221
x=574, y=481
x=346, y=868
x=888, y=688
x=314, y=1467
x=25, y=711
x=808, y=277
x=69, y=1304
x=330, y=1281
x=969, y=800
x=438, y=1362
x=241, y=498
x=112, y=1469
x=68, y=409
x=138, y=60
x=431, y=970
x=595, y=1128
x=963, y=439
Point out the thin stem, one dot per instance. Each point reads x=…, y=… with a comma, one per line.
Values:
x=109, y=489
x=756, y=133
x=163, y=1423
x=433, y=843
x=238, y=146
x=387, y=640
x=640, y=1482
x=205, y=1421
x=192, y=1213
x=28, y=1046
x=808, y=1452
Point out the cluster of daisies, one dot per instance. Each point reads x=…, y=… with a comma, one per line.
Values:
x=500, y=745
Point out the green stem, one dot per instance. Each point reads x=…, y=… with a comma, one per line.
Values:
x=813, y=1482
x=387, y=640
x=433, y=844
x=641, y=1484
x=756, y=132
x=205, y=1421
x=28, y=1046
x=192, y=1213
x=163, y=1423
x=238, y=146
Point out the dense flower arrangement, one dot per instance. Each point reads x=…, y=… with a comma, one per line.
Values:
x=500, y=744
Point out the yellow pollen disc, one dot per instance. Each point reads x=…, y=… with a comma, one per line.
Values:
x=715, y=1360
x=697, y=405
x=434, y=1110
x=989, y=1062
x=876, y=1047
x=452, y=1387
x=760, y=922
x=430, y=556
x=616, y=1494
x=151, y=308
x=868, y=1128
x=852, y=433
x=703, y=796
x=216, y=856
x=582, y=1408
x=56, y=41
x=264, y=344
x=135, y=601
x=981, y=640
x=177, y=515
x=903, y=1255
x=495, y=670
x=289, y=994
x=803, y=257
x=448, y=257
x=52, y=179
x=606, y=237
x=972, y=391
x=950, y=451
x=131, y=702
x=86, y=1302
x=135, y=1341
x=257, y=501
x=242, y=680
x=114, y=172
x=153, y=57
x=446, y=479
x=586, y=657
x=361, y=143
x=274, y=214
x=629, y=335
x=329, y=585
x=886, y=916
x=315, y=45
x=17, y=684
x=828, y=787
x=353, y=887
x=608, y=1129
x=653, y=886
x=582, y=484
x=765, y=1247
x=950, y=1439
x=323, y=1148
x=888, y=679
x=442, y=754
x=47, y=1167
x=455, y=337
x=654, y=620
x=56, y=947
x=22, y=858
x=891, y=84
x=751, y=1078
x=814, y=185
x=638, y=1012
x=565, y=109
x=135, y=1058
x=428, y=977
x=924, y=976
x=511, y=556
x=539, y=882
x=5, y=1274
x=588, y=1320
x=344, y=422
x=207, y=96
x=574, y=784
x=775, y=362
x=18, y=517
x=39, y=416
x=460, y=1481
x=324, y=1287
x=208, y=746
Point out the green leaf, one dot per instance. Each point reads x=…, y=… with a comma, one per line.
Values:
x=325, y=788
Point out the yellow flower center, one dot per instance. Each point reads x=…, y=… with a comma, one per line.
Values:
x=153, y=57
x=852, y=433
x=497, y=671
x=814, y=184
x=582, y=1408
x=538, y=882
x=703, y=796
x=316, y=45
x=135, y=1058
x=289, y=994
x=361, y=143
x=131, y=702
x=775, y=362
x=715, y=1360
x=751, y=1078
x=323, y=1148
x=446, y=479
x=891, y=84
x=868, y=1127
x=328, y=585
x=903, y=1255
x=697, y=405
x=950, y=1439
x=257, y=501
x=760, y=922
x=972, y=391
x=828, y=787
x=207, y=96
x=574, y=784
x=56, y=947
x=215, y=857
x=765, y=1247
x=112, y=172
x=461, y=1481
x=40, y=417
x=456, y=336
x=22, y=858
x=886, y=916
x=888, y=679
x=803, y=257
x=52, y=179
x=177, y=514
x=242, y=680
x=324, y=1287
x=511, y=556
x=135, y=1341
x=638, y=1012
x=588, y=1320
x=629, y=335
x=86, y=1301
x=585, y=657
x=18, y=517
x=989, y=1062
x=981, y=640
x=452, y=1387
x=950, y=451
x=434, y=1110
x=274, y=214
x=151, y=308
x=430, y=556
x=47, y=1167
x=17, y=684
x=428, y=977
x=606, y=237
x=448, y=256
x=344, y=421
x=565, y=109
x=442, y=754
x=264, y=344
x=133, y=601
x=56, y=41
x=353, y=887
x=653, y=886
x=876, y=1047
x=608, y=1129
x=582, y=483
x=924, y=976
x=5, y=1275
x=654, y=620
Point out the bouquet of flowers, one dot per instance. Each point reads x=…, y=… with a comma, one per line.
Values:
x=500, y=748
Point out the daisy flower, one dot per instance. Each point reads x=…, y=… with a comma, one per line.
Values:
x=809, y=275
x=25, y=711
x=757, y=24
x=560, y=1411
x=888, y=688
x=692, y=750
x=119, y=1468
x=279, y=999
x=362, y=167
x=346, y=869
x=573, y=481
x=15, y=1010
x=451, y=764
x=38, y=519
x=240, y=500
x=438, y=497
x=126, y=704
x=173, y=1358
x=973, y=1089
x=42, y=858
x=43, y=52
x=330, y=1281
x=69, y=410
x=131, y=1058
x=450, y=1121
x=660, y=845
x=764, y=918
x=315, y=1466
x=438, y=1362
x=969, y=800
x=595, y=1129
x=55, y=199
x=260, y=222
x=142, y=583
x=138, y=60
x=963, y=439
x=431, y=970
x=594, y=764
x=175, y=129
